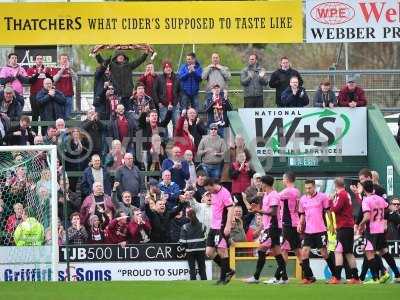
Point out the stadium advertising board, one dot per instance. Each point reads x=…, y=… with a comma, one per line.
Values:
x=289, y=132
x=166, y=22
x=352, y=21
x=162, y=270
x=137, y=252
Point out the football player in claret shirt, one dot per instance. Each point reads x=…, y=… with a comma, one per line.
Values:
x=341, y=206
x=312, y=208
x=270, y=237
x=221, y=222
x=373, y=222
x=289, y=204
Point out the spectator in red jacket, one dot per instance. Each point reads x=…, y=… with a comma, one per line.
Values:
x=13, y=221
x=148, y=79
x=183, y=138
x=352, y=95
x=138, y=228
x=117, y=230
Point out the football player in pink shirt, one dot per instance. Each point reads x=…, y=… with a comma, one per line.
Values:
x=270, y=237
x=289, y=215
x=220, y=229
x=373, y=223
x=312, y=208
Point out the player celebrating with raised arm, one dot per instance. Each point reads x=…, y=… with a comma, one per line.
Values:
x=221, y=222
x=373, y=222
x=342, y=207
x=270, y=237
x=312, y=208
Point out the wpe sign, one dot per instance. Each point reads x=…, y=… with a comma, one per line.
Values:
x=307, y=131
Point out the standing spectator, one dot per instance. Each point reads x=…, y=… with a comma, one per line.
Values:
x=253, y=78
x=106, y=102
x=123, y=127
x=130, y=179
x=95, y=173
x=12, y=222
x=77, y=234
x=167, y=91
x=175, y=226
x=188, y=156
x=217, y=107
x=294, y=95
x=179, y=168
x=95, y=131
x=202, y=209
x=196, y=126
x=199, y=185
x=5, y=124
x=190, y=77
x=63, y=77
x=183, y=139
x=101, y=85
x=97, y=203
x=126, y=204
x=157, y=153
x=62, y=131
x=121, y=72
x=21, y=134
x=254, y=231
x=114, y=159
x=398, y=133
x=139, y=100
x=51, y=136
x=117, y=230
x=13, y=74
x=215, y=73
x=9, y=104
x=211, y=152
x=352, y=95
x=280, y=79
x=325, y=97
x=169, y=189
x=37, y=74
x=393, y=220
x=139, y=229
x=237, y=232
x=192, y=238
x=52, y=102
x=148, y=79
x=96, y=232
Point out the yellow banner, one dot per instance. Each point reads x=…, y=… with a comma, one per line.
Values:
x=166, y=22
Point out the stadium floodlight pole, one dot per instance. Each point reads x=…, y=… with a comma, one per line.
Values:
x=54, y=202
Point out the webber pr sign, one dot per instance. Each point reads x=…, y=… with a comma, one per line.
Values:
x=307, y=131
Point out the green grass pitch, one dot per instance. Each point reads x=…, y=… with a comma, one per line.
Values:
x=185, y=290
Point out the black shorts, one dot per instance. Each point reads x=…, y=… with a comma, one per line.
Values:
x=345, y=240
x=315, y=240
x=270, y=237
x=217, y=239
x=291, y=236
x=375, y=241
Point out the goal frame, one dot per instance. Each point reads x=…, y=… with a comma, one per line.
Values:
x=52, y=149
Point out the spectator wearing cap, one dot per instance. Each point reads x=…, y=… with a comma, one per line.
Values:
x=169, y=189
x=148, y=79
x=167, y=91
x=352, y=95
x=215, y=73
x=217, y=107
x=190, y=78
x=21, y=134
x=280, y=79
x=130, y=179
x=393, y=219
x=253, y=78
x=294, y=95
x=9, y=104
x=178, y=167
x=13, y=74
x=255, y=189
x=139, y=100
x=126, y=204
x=95, y=173
x=211, y=152
x=324, y=96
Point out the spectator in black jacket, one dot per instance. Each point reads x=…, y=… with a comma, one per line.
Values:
x=325, y=97
x=21, y=134
x=123, y=126
x=52, y=102
x=197, y=128
x=95, y=131
x=9, y=104
x=193, y=239
x=101, y=84
x=393, y=219
x=139, y=100
x=294, y=95
x=398, y=133
x=280, y=79
x=95, y=173
x=106, y=102
x=5, y=125
x=160, y=220
x=166, y=91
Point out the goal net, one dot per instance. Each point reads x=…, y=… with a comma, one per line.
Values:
x=28, y=213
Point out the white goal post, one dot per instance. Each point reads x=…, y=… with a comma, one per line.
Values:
x=52, y=166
